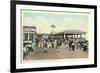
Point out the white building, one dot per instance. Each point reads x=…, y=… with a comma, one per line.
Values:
x=29, y=32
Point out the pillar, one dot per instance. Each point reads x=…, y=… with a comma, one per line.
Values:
x=64, y=35
x=28, y=36
x=80, y=35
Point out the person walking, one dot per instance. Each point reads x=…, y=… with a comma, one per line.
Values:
x=33, y=44
x=73, y=46
x=45, y=46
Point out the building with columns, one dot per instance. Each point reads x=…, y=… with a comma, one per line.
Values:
x=68, y=34
x=29, y=32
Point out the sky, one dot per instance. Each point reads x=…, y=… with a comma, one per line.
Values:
x=62, y=20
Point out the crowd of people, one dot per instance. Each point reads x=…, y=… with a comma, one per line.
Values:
x=45, y=43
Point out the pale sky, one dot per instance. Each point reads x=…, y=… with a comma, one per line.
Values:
x=62, y=21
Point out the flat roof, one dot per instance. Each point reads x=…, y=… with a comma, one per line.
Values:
x=29, y=27
x=72, y=32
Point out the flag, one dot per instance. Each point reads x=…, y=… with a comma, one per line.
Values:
x=53, y=26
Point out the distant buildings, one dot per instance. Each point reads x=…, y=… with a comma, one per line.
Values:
x=69, y=34
x=43, y=35
x=29, y=32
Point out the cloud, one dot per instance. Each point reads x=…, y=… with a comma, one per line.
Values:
x=27, y=21
x=43, y=24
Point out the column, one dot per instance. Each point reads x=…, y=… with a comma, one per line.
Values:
x=74, y=36
x=77, y=35
x=28, y=36
x=80, y=35
x=64, y=35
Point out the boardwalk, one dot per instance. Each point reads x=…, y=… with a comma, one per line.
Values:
x=58, y=53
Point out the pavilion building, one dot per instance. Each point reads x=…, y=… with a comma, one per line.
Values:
x=29, y=32
x=68, y=34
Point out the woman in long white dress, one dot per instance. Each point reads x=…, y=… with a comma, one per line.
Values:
x=33, y=44
x=55, y=44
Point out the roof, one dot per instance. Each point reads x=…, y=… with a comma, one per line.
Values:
x=29, y=27
x=43, y=33
x=72, y=32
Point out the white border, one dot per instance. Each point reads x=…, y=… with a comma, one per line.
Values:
x=50, y=63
